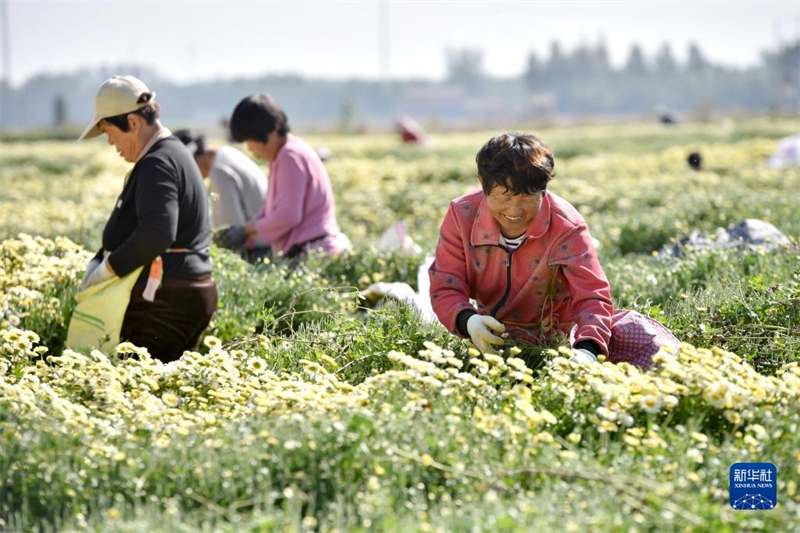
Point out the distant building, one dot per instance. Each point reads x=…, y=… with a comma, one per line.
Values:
x=442, y=101
x=541, y=105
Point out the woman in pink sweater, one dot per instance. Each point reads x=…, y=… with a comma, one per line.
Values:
x=299, y=213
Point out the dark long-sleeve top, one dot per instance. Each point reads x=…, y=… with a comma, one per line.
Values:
x=163, y=204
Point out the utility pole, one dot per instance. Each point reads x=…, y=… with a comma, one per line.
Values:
x=383, y=39
x=5, y=70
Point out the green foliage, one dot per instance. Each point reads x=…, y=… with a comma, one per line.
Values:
x=756, y=320
x=281, y=296
x=404, y=452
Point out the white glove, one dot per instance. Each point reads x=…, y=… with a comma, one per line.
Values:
x=100, y=274
x=583, y=357
x=479, y=327
x=90, y=268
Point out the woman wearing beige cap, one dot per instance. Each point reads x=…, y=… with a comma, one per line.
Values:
x=159, y=222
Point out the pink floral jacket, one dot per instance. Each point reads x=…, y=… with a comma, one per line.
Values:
x=550, y=283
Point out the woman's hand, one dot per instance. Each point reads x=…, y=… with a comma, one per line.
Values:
x=90, y=268
x=232, y=237
x=583, y=357
x=103, y=272
x=480, y=329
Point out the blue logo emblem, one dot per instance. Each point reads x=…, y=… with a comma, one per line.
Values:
x=754, y=486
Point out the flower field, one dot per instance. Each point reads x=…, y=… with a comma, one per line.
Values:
x=304, y=411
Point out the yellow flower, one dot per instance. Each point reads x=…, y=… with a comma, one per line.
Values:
x=606, y=413
x=605, y=427
x=651, y=403
x=256, y=365
x=454, y=361
x=699, y=437
x=695, y=455
x=636, y=432
x=493, y=359
x=212, y=342
x=758, y=430
x=631, y=440
x=330, y=360
x=548, y=416
x=170, y=399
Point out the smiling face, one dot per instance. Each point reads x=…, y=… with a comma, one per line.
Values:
x=127, y=143
x=514, y=212
x=514, y=170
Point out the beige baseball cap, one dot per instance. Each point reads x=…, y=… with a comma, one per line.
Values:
x=118, y=95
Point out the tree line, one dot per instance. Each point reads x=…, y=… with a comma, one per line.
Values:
x=581, y=82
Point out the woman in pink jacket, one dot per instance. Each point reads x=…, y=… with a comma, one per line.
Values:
x=526, y=257
x=299, y=213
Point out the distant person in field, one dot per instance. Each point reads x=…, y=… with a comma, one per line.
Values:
x=160, y=221
x=695, y=161
x=526, y=257
x=298, y=214
x=237, y=186
x=410, y=131
x=665, y=115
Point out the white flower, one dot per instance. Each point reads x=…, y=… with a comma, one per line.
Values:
x=170, y=399
x=607, y=413
x=695, y=455
x=651, y=403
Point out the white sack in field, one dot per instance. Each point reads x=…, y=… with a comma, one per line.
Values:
x=788, y=153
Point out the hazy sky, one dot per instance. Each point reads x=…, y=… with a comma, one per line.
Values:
x=188, y=40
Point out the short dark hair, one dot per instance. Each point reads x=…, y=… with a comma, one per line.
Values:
x=149, y=113
x=695, y=160
x=186, y=138
x=255, y=117
x=519, y=161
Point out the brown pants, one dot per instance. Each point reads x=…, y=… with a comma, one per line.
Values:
x=174, y=322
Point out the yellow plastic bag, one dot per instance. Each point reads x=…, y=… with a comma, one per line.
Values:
x=97, y=320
